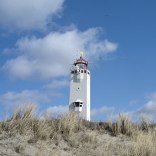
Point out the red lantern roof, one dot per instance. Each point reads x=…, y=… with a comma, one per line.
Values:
x=81, y=61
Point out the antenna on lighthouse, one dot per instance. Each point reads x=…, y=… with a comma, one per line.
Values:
x=81, y=54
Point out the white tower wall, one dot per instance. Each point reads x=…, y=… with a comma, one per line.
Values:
x=79, y=100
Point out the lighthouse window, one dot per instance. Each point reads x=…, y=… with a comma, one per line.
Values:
x=77, y=104
x=88, y=73
x=84, y=71
x=81, y=71
x=75, y=71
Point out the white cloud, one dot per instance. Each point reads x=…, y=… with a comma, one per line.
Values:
x=56, y=84
x=148, y=110
x=28, y=14
x=102, y=111
x=14, y=99
x=52, y=55
x=99, y=113
x=55, y=111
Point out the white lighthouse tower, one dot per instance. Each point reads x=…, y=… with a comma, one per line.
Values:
x=79, y=100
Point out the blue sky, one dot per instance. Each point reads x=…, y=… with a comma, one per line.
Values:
x=40, y=39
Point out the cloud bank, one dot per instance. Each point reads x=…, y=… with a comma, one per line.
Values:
x=28, y=14
x=57, y=84
x=55, y=111
x=102, y=111
x=14, y=99
x=148, y=110
x=51, y=55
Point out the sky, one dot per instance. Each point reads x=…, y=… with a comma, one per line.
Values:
x=40, y=39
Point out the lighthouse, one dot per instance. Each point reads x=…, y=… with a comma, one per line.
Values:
x=79, y=100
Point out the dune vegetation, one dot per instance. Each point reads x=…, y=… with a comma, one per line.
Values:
x=26, y=134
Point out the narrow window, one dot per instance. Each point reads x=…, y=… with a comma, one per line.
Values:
x=84, y=71
x=81, y=71
x=77, y=104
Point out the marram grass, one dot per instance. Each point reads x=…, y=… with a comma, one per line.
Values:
x=79, y=137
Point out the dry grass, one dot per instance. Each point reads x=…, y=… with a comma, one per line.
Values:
x=145, y=143
x=78, y=137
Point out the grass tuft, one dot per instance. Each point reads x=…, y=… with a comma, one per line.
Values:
x=80, y=135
